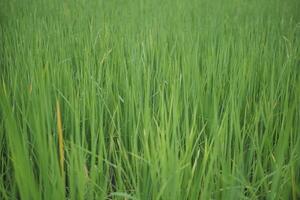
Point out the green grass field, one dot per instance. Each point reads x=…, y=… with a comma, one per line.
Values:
x=149, y=99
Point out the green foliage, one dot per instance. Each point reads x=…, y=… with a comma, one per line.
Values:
x=171, y=99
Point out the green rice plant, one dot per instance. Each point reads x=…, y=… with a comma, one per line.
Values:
x=139, y=99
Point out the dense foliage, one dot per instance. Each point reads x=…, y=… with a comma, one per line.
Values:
x=149, y=99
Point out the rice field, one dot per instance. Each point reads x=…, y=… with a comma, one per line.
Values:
x=149, y=99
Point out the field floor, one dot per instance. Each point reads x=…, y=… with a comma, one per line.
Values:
x=149, y=99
